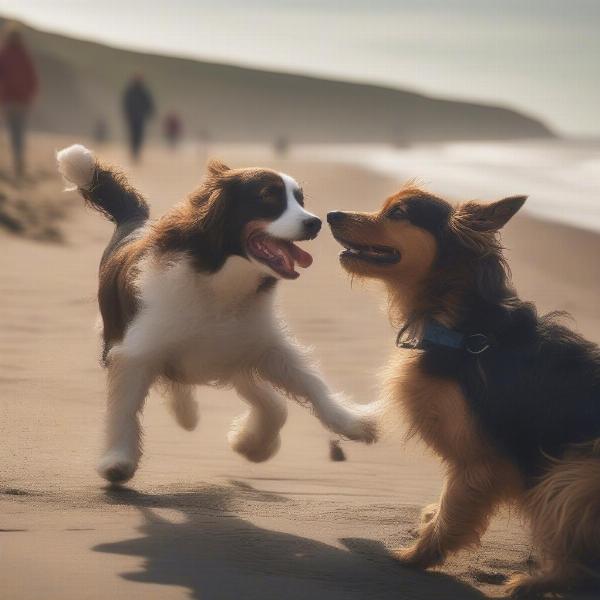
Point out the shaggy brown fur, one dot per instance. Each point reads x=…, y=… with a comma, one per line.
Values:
x=478, y=478
x=519, y=423
x=117, y=298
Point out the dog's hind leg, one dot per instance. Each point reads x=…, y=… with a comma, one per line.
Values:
x=255, y=434
x=564, y=512
x=129, y=381
x=182, y=404
x=560, y=579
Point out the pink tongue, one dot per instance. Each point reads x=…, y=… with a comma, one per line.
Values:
x=304, y=259
x=288, y=253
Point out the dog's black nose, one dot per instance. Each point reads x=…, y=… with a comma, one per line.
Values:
x=335, y=216
x=312, y=226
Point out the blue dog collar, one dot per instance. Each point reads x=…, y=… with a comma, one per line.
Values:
x=435, y=334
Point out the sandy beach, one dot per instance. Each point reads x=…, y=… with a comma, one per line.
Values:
x=197, y=521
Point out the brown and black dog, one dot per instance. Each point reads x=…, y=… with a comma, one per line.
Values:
x=508, y=399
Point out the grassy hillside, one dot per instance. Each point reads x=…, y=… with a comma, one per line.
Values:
x=82, y=81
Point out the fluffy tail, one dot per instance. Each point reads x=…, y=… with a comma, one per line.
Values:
x=565, y=513
x=104, y=188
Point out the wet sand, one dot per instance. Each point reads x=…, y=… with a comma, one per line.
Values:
x=197, y=520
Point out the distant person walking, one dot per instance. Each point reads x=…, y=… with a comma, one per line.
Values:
x=138, y=107
x=18, y=89
x=172, y=129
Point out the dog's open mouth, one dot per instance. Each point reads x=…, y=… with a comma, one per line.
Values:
x=279, y=255
x=382, y=255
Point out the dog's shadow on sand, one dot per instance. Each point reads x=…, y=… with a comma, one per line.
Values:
x=216, y=554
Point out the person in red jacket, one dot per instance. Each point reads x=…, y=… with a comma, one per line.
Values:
x=18, y=89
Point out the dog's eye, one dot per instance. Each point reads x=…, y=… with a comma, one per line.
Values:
x=397, y=213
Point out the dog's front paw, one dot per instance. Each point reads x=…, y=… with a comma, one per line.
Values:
x=429, y=513
x=117, y=467
x=364, y=430
x=355, y=422
x=252, y=445
x=419, y=556
x=254, y=452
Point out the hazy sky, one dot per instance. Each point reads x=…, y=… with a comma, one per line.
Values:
x=542, y=56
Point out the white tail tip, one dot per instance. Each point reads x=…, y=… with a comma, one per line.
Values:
x=77, y=165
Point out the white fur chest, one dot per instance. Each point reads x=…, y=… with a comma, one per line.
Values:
x=202, y=328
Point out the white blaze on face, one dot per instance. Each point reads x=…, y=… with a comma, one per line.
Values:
x=290, y=224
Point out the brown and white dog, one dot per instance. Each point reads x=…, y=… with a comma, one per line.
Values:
x=188, y=300
x=508, y=399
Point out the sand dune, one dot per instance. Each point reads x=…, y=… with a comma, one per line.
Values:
x=198, y=521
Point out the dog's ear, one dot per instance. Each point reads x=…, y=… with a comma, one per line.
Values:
x=216, y=168
x=213, y=219
x=489, y=217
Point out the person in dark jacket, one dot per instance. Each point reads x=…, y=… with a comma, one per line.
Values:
x=138, y=107
x=18, y=89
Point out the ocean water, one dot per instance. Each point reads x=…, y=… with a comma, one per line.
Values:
x=561, y=177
